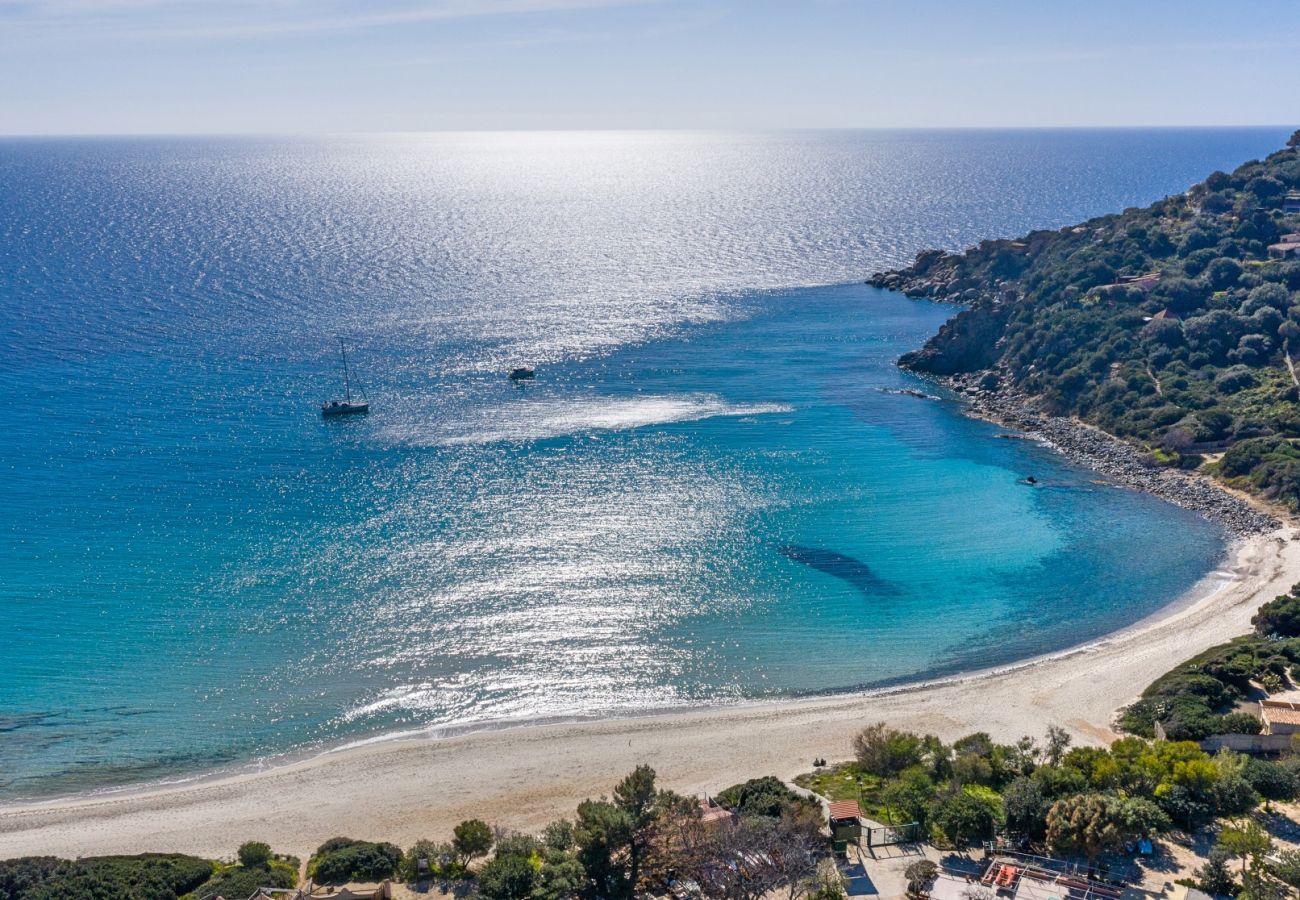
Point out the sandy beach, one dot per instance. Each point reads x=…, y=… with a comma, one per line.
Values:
x=521, y=778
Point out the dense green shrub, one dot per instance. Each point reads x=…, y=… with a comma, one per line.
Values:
x=343, y=859
x=148, y=876
x=962, y=816
x=1279, y=616
x=767, y=796
x=1193, y=701
x=241, y=881
x=254, y=853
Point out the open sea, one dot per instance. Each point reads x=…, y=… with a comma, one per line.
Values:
x=713, y=490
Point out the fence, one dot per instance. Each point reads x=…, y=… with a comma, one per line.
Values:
x=885, y=835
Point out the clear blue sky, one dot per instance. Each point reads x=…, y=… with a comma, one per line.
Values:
x=132, y=66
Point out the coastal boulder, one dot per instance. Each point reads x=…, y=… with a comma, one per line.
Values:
x=966, y=343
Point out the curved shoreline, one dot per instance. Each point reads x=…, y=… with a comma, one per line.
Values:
x=1203, y=589
x=522, y=777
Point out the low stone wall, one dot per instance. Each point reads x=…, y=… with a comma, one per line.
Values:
x=1247, y=743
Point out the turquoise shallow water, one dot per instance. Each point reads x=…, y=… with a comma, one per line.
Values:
x=711, y=492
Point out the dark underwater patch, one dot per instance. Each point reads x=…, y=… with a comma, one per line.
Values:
x=852, y=571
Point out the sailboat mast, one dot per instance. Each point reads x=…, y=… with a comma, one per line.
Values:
x=347, y=380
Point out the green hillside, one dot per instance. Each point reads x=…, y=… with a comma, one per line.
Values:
x=1173, y=325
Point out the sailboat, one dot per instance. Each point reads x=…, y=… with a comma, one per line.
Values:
x=347, y=406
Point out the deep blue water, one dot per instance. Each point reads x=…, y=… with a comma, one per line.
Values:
x=709, y=493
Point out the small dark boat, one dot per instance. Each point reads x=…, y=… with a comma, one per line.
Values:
x=347, y=406
x=344, y=408
x=523, y=373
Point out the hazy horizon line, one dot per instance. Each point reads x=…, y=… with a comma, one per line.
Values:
x=649, y=129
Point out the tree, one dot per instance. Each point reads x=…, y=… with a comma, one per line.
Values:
x=1223, y=273
x=558, y=835
x=1214, y=878
x=1272, y=780
x=962, y=817
x=1058, y=741
x=1233, y=795
x=603, y=832
x=828, y=886
x=776, y=857
x=1025, y=807
x=1246, y=840
x=471, y=839
x=507, y=877
x=561, y=876
x=907, y=800
x=920, y=875
x=613, y=837
x=254, y=854
x=1143, y=818
x=1090, y=824
x=884, y=751
x=1185, y=807
x=1287, y=867
x=637, y=796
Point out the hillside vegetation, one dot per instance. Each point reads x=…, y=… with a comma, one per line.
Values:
x=1173, y=325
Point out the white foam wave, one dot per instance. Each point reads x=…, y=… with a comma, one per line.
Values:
x=535, y=420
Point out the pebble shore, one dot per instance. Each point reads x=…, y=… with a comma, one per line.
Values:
x=1118, y=460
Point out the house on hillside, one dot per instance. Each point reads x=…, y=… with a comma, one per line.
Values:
x=1286, y=249
x=1279, y=716
x=1291, y=203
x=1145, y=281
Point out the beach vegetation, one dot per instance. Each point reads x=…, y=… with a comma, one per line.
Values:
x=147, y=876
x=471, y=840
x=341, y=859
x=509, y=876
x=1096, y=823
x=768, y=797
x=884, y=751
x=254, y=854
x=1279, y=617
x=643, y=838
x=244, y=880
x=1196, y=699
x=440, y=858
x=961, y=816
